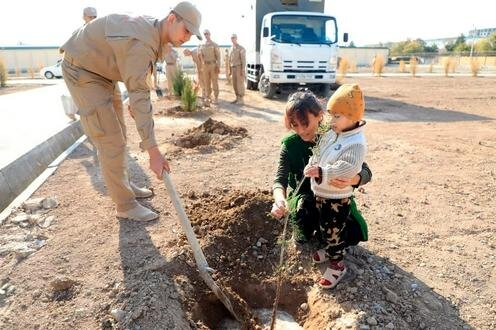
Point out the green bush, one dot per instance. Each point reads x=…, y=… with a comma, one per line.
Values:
x=178, y=83
x=3, y=74
x=188, y=96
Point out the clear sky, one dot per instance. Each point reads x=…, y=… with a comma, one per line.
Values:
x=50, y=22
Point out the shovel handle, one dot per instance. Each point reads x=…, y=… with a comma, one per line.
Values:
x=184, y=221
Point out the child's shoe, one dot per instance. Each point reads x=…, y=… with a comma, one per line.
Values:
x=333, y=274
x=320, y=256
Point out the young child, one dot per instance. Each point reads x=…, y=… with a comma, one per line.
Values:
x=302, y=116
x=339, y=153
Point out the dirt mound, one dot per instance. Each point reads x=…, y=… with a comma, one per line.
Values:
x=241, y=242
x=213, y=134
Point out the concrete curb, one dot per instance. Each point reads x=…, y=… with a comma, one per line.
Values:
x=19, y=174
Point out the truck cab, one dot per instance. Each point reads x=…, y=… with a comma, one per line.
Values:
x=294, y=48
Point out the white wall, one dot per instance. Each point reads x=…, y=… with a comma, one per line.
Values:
x=23, y=59
x=362, y=56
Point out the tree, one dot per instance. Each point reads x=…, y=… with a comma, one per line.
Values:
x=408, y=47
x=398, y=47
x=460, y=40
x=414, y=47
x=458, y=46
x=483, y=45
x=462, y=47
x=487, y=44
x=431, y=49
x=492, y=40
x=450, y=46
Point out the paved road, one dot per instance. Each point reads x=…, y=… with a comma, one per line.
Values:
x=30, y=117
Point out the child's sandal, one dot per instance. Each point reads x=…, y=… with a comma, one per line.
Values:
x=331, y=277
x=320, y=256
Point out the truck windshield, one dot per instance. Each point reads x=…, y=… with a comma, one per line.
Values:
x=304, y=29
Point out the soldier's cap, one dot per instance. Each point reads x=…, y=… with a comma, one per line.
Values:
x=191, y=17
x=206, y=31
x=348, y=101
x=234, y=35
x=89, y=11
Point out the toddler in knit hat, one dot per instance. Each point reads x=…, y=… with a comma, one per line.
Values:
x=340, y=152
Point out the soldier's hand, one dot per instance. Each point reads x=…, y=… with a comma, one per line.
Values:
x=158, y=163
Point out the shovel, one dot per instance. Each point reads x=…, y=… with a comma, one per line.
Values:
x=201, y=262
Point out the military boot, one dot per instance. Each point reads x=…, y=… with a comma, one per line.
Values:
x=138, y=213
x=140, y=192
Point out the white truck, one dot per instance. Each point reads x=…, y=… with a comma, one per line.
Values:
x=289, y=44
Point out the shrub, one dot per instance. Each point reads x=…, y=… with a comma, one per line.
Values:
x=378, y=65
x=188, y=96
x=448, y=65
x=413, y=66
x=31, y=72
x=475, y=67
x=344, y=66
x=3, y=74
x=353, y=67
x=178, y=83
x=452, y=65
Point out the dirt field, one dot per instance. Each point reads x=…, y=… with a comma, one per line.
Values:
x=429, y=262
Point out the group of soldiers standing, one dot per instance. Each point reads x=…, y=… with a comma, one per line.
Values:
x=207, y=60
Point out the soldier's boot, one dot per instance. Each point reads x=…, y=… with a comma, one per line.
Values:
x=235, y=101
x=140, y=192
x=240, y=101
x=138, y=213
x=215, y=101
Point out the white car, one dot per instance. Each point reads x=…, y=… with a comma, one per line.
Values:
x=54, y=71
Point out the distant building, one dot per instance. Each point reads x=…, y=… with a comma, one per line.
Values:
x=481, y=33
x=472, y=36
x=21, y=59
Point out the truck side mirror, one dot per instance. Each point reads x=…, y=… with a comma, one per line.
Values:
x=265, y=32
x=345, y=37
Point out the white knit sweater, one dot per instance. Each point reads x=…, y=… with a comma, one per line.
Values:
x=339, y=155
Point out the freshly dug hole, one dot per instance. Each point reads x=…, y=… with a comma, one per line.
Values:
x=239, y=240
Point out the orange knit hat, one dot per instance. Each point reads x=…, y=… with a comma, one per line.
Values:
x=347, y=100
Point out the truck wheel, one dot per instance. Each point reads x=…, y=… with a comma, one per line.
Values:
x=251, y=85
x=265, y=87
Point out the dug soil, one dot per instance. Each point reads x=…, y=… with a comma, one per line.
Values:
x=429, y=262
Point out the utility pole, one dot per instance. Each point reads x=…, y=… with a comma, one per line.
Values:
x=473, y=41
